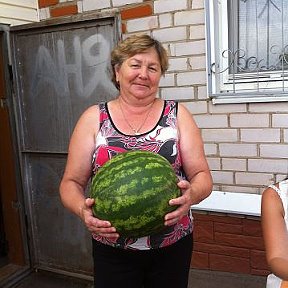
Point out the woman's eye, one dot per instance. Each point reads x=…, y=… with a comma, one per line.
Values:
x=153, y=69
x=135, y=66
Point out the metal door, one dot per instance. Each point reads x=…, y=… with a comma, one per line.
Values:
x=60, y=68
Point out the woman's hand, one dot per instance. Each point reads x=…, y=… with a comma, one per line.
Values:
x=95, y=225
x=184, y=202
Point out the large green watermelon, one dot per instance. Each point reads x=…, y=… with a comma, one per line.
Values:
x=132, y=191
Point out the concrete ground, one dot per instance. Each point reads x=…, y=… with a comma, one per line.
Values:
x=43, y=279
x=198, y=279
x=213, y=279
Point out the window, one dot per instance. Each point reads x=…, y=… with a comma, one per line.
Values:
x=247, y=50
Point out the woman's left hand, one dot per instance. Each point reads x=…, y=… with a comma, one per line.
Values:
x=184, y=202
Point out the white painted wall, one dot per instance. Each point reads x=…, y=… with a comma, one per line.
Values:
x=17, y=12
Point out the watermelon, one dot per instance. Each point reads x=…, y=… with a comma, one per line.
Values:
x=132, y=191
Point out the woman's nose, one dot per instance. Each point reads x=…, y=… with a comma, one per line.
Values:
x=143, y=72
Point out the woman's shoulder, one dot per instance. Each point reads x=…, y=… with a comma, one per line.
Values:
x=91, y=110
x=271, y=198
x=273, y=193
x=90, y=116
x=184, y=110
x=184, y=115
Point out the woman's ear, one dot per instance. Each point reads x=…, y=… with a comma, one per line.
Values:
x=116, y=69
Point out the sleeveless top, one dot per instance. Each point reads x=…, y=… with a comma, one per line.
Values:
x=272, y=280
x=162, y=139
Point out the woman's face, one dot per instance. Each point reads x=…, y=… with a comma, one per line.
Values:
x=140, y=74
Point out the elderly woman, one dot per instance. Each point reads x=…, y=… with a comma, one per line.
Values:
x=137, y=119
x=274, y=219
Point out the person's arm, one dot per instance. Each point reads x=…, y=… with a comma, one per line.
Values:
x=274, y=233
x=78, y=171
x=199, y=184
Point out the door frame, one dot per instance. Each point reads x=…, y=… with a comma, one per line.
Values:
x=13, y=211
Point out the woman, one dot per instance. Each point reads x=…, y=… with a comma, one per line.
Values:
x=137, y=119
x=275, y=232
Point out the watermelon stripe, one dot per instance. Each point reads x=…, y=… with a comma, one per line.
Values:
x=150, y=196
x=130, y=161
x=122, y=175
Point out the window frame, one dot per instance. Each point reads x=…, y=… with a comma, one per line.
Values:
x=225, y=87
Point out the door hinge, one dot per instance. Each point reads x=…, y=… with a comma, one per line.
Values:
x=3, y=103
x=16, y=205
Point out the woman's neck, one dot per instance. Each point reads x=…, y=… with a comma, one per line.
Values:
x=136, y=105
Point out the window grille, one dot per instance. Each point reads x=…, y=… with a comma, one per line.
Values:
x=247, y=50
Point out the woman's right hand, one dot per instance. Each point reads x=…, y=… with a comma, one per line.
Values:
x=95, y=225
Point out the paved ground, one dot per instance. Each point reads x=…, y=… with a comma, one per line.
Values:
x=212, y=279
x=198, y=279
x=51, y=280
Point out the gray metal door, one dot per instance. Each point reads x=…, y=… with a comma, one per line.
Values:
x=60, y=68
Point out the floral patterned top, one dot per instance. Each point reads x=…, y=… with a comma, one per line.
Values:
x=162, y=139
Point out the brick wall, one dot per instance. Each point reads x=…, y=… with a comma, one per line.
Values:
x=229, y=243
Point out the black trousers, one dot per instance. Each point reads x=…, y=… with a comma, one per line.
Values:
x=165, y=267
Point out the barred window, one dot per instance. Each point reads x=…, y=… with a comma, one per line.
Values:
x=247, y=50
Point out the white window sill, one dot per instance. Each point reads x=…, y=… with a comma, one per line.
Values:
x=247, y=99
x=231, y=203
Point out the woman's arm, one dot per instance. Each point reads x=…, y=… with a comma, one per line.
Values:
x=78, y=171
x=199, y=184
x=274, y=233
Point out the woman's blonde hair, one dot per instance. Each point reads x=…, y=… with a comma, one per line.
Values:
x=133, y=45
